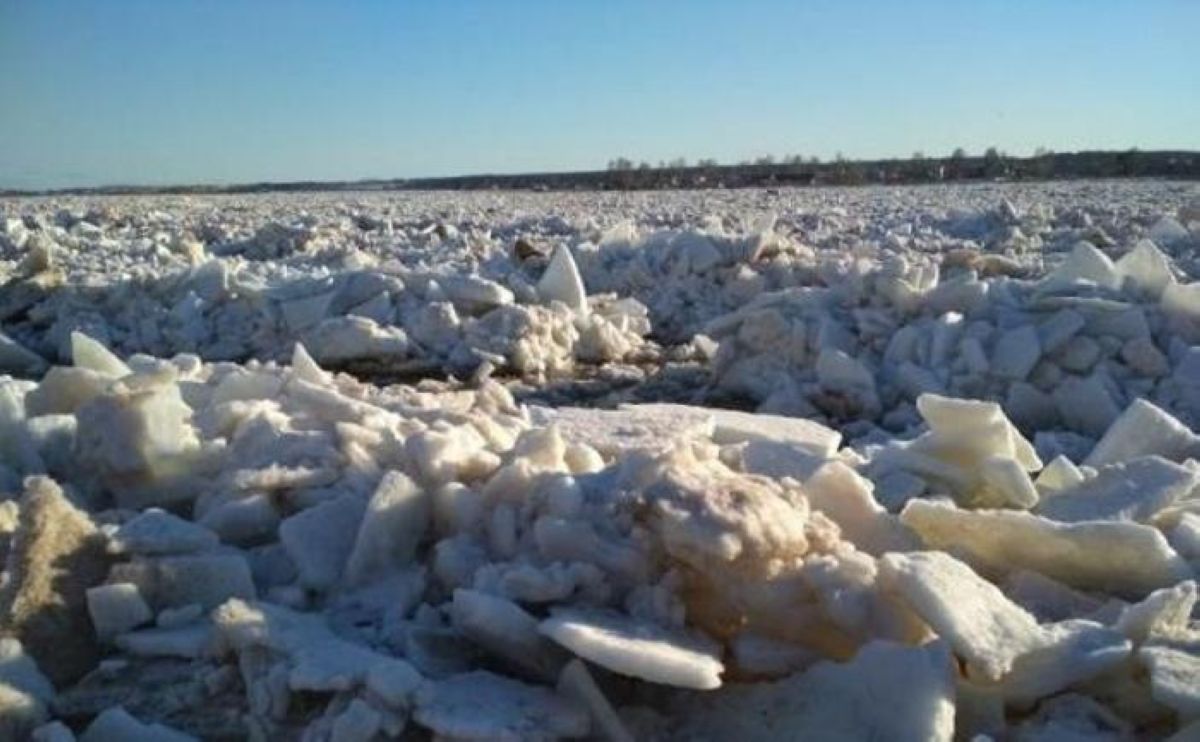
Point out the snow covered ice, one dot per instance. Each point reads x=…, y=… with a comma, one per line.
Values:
x=879, y=463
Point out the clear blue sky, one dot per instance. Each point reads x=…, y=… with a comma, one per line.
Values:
x=161, y=91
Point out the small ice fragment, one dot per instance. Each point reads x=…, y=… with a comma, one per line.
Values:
x=631, y=647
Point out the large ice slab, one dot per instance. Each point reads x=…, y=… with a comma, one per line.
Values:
x=613, y=431
x=480, y=705
x=886, y=691
x=317, y=658
x=1119, y=557
x=734, y=426
x=774, y=445
x=987, y=629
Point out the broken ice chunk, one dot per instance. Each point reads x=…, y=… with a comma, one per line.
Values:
x=318, y=659
x=17, y=359
x=846, y=497
x=1060, y=328
x=156, y=531
x=482, y=706
x=1003, y=482
x=20, y=712
x=979, y=426
x=242, y=519
x=1085, y=404
x=55, y=731
x=358, y=723
x=778, y=460
x=1070, y=652
x=576, y=683
x=396, y=519
x=1085, y=263
x=1048, y=600
x=19, y=670
x=1060, y=474
x=1079, y=354
x=1146, y=269
x=192, y=641
x=18, y=450
x=1185, y=536
x=896, y=487
x=452, y=453
x=306, y=369
x=843, y=374
x=1144, y=429
x=638, y=648
x=394, y=682
x=1135, y=491
x=1030, y=407
x=505, y=630
x=972, y=449
x=169, y=618
x=1167, y=231
x=116, y=608
x=1173, y=673
x=246, y=385
x=759, y=657
x=1163, y=612
x=1181, y=304
x=172, y=581
x=64, y=390
x=1073, y=718
x=302, y=313
x=1016, y=353
x=561, y=281
x=117, y=725
x=1144, y=358
x=136, y=432
x=320, y=539
x=346, y=339
x=474, y=293
x=92, y=355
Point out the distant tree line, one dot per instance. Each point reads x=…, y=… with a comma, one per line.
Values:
x=992, y=164
x=623, y=173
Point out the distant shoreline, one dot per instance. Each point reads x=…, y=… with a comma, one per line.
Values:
x=1162, y=164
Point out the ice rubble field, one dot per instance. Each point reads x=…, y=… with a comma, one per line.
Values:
x=926, y=468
